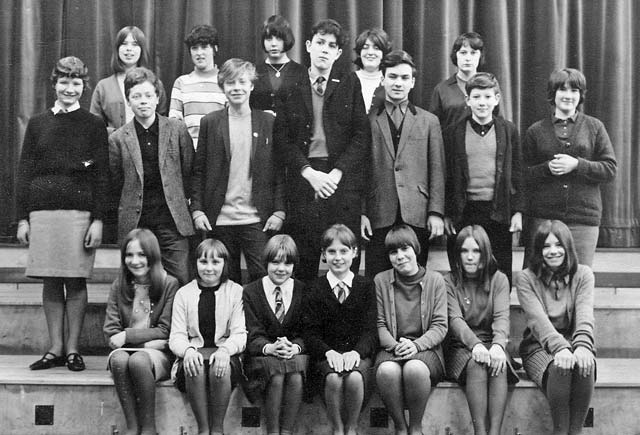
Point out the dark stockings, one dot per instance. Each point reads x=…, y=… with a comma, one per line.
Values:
x=569, y=398
x=485, y=393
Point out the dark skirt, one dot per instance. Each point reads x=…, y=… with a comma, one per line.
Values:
x=456, y=358
x=237, y=374
x=322, y=369
x=536, y=364
x=259, y=369
x=428, y=357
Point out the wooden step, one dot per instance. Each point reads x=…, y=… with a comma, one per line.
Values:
x=86, y=403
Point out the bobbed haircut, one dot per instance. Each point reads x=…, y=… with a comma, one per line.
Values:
x=488, y=264
x=563, y=234
x=474, y=40
x=401, y=236
x=395, y=58
x=482, y=80
x=210, y=248
x=280, y=247
x=340, y=233
x=138, y=75
x=569, y=77
x=202, y=34
x=379, y=38
x=151, y=248
x=116, y=64
x=71, y=67
x=234, y=68
x=279, y=27
x=330, y=27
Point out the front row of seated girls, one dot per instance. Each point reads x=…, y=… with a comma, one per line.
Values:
x=324, y=338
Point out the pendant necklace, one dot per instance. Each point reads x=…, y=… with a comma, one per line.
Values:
x=277, y=70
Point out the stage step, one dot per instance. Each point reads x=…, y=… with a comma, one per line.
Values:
x=58, y=401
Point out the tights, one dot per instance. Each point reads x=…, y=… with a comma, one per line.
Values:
x=135, y=385
x=485, y=393
x=209, y=398
x=344, y=394
x=56, y=308
x=569, y=397
x=284, y=394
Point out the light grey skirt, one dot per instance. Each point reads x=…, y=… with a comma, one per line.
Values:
x=56, y=244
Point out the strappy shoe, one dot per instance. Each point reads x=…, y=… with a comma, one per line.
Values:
x=48, y=361
x=75, y=363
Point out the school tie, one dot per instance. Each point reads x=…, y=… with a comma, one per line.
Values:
x=396, y=116
x=319, y=85
x=279, y=304
x=342, y=294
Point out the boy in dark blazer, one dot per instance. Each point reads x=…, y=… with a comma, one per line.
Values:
x=323, y=136
x=484, y=161
x=406, y=173
x=237, y=188
x=150, y=159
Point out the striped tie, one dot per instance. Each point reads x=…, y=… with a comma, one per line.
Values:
x=279, y=304
x=342, y=295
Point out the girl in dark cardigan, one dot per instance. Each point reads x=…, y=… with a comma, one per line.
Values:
x=478, y=305
x=340, y=330
x=61, y=198
x=137, y=326
x=558, y=348
x=274, y=357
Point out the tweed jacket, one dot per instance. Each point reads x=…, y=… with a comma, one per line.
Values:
x=433, y=310
x=108, y=103
x=119, y=309
x=262, y=324
x=213, y=157
x=175, y=154
x=413, y=178
x=508, y=195
x=540, y=332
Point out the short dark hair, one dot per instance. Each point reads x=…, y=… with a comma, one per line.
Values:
x=214, y=248
x=330, y=27
x=151, y=248
x=202, y=34
x=138, y=75
x=278, y=26
x=397, y=57
x=341, y=233
x=280, y=247
x=563, y=234
x=482, y=80
x=474, y=40
x=401, y=236
x=488, y=264
x=71, y=67
x=566, y=76
x=116, y=63
x=379, y=38
x=233, y=67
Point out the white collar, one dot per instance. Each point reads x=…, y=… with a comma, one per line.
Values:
x=333, y=280
x=57, y=108
x=270, y=287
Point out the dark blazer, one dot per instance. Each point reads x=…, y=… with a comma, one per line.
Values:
x=508, y=195
x=175, y=154
x=345, y=125
x=264, y=97
x=341, y=327
x=213, y=157
x=412, y=177
x=262, y=324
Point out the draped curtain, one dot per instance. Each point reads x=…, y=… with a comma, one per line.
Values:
x=524, y=39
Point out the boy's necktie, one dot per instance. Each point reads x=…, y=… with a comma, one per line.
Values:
x=342, y=294
x=279, y=304
x=319, y=85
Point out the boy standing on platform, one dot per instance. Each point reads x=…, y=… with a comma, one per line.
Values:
x=406, y=174
x=323, y=134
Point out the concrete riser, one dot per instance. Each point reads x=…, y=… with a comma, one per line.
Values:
x=89, y=410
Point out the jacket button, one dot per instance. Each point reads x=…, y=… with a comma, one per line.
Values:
x=137, y=210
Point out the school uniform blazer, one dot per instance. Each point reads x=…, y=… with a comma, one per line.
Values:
x=345, y=122
x=175, y=154
x=213, y=158
x=433, y=312
x=262, y=324
x=508, y=197
x=108, y=103
x=230, y=334
x=342, y=327
x=412, y=178
x=119, y=309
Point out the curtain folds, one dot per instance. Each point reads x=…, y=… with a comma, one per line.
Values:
x=525, y=40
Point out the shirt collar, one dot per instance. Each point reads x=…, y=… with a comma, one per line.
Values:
x=481, y=129
x=57, y=108
x=572, y=118
x=389, y=105
x=333, y=280
x=153, y=129
x=313, y=78
x=547, y=275
x=270, y=287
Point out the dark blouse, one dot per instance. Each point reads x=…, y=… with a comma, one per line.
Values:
x=270, y=92
x=207, y=314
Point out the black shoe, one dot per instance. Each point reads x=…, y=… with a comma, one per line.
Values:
x=48, y=361
x=75, y=363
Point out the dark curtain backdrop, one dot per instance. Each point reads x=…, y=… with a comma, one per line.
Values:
x=525, y=40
